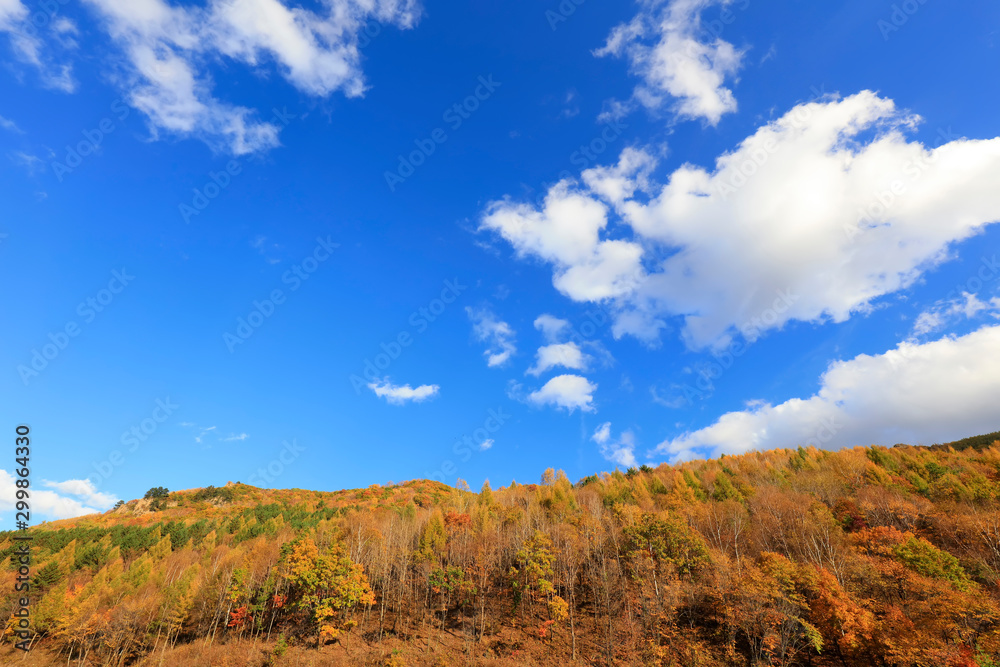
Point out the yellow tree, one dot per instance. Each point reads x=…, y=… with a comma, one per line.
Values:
x=328, y=586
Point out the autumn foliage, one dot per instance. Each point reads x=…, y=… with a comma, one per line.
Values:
x=869, y=556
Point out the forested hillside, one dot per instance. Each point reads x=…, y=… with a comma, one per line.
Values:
x=868, y=556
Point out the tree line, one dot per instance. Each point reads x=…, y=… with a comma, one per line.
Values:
x=866, y=556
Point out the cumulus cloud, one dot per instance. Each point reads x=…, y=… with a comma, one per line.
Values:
x=566, y=233
x=943, y=313
x=551, y=326
x=83, y=489
x=486, y=444
x=621, y=450
x=59, y=500
x=811, y=218
x=401, y=394
x=681, y=65
x=916, y=393
x=567, y=355
x=167, y=49
x=566, y=391
x=497, y=334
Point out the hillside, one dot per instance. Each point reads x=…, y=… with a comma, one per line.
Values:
x=867, y=556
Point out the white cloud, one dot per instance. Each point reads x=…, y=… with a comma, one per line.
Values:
x=602, y=433
x=25, y=40
x=57, y=504
x=620, y=450
x=943, y=313
x=566, y=391
x=486, y=444
x=497, y=334
x=551, y=326
x=203, y=432
x=566, y=233
x=568, y=355
x=83, y=489
x=678, y=62
x=167, y=49
x=232, y=437
x=811, y=218
x=400, y=394
x=916, y=394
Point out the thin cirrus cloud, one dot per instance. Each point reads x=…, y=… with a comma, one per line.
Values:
x=931, y=392
x=807, y=219
x=9, y=125
x=402, y=394
x=682, y=66
x=167, y=49
x=497, y=334
x=28, y=45
x=945, y=312
x=569, y=392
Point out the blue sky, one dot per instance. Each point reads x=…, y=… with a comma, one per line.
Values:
x=581, y=236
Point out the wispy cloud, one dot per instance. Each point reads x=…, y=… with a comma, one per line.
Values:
x=401, y=394
x=31, y=163
x=621, y=450
x=10, y=125
x=28, y=46
x=943, y=313
x=165, y=48
x=497, y=334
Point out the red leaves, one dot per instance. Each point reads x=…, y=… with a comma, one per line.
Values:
x=238, y=617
